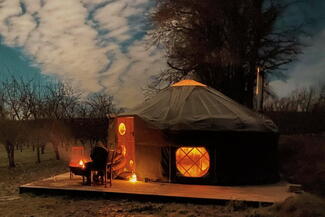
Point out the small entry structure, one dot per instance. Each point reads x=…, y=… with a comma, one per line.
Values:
x=190, y=133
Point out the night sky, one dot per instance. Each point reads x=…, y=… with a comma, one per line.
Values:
x=102, y=45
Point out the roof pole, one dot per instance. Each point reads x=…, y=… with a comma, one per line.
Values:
x=170, y=163
x=259, y=89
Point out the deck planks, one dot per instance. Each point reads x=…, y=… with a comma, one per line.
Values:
x=260, y=194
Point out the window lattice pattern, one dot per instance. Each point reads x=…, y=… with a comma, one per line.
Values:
x=192, y=161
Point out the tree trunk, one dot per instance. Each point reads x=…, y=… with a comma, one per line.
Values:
x=56, y=150
x=309, y=99
x=10, y=148
x=38, y=152
x=42, y=149
x=66, y=147
x=12, y=157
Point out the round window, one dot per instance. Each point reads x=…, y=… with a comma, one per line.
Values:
x=192, y=161
x=121, y=129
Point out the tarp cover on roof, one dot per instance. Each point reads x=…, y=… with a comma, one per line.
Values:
x=193, y=106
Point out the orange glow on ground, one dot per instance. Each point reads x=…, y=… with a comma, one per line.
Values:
x=133, y=178
x=192, y=161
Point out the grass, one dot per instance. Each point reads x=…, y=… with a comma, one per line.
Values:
x=302, y=160
x=304, y=205
x=27, y=170
x=292, y=155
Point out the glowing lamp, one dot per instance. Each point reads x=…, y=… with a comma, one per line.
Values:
x=133, y=178
x=122, y=129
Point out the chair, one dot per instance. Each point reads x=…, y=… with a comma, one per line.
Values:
x=102, y=171
x=109, y=167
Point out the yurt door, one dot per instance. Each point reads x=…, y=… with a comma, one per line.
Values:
x=126, y=140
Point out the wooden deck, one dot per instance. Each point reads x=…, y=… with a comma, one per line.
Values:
x=62, y=184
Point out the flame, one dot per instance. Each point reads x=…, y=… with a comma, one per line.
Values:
x=82, y=164
x=133, y=178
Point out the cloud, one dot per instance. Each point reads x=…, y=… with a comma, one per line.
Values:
x=98, y=45
x=309, y=70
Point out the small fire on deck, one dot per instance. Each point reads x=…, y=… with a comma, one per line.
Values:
x=78, y=160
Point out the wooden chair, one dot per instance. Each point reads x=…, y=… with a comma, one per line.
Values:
x=105, y=171
x=109, y=167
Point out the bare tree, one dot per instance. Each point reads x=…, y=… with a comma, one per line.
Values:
x=13, y=98
x=38, y=134
x=100, y=105
x=82, y=110
x=300, y=100
x=60, y=101
x=3, y=112
x=221, y=43
x=9, y=138
x=12, y=104
x=319, y=105
x=38, y=113
x=97, y=105
x=60, y=134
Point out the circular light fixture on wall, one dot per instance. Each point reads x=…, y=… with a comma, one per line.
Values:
x=122, y=129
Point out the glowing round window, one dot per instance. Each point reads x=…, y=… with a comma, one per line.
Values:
x=122, y=129
x=192, y=161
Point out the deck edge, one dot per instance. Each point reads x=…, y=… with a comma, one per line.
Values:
x=38, y=190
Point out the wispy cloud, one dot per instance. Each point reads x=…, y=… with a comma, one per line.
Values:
x=98, y=45
x=309, y=70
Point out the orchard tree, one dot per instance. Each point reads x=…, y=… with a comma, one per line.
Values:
x=221, y=43
x=11, y=132
x=100, y=104
x=61, y=101
x=311, y=99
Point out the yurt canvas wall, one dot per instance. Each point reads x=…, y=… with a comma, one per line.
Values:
x=194, y=134
x=234, y=157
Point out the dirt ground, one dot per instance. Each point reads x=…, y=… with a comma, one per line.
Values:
x=302, y=160
x=13, y=204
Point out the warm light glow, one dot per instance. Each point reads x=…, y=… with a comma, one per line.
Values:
x=76, y=155
x=188, y=83
x=82, y=164
x=258, y=81
x=192, y=161
x=121, y=129
x=123, y=150
x=133, y=178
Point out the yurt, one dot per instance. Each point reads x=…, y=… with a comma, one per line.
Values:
x=191, y=133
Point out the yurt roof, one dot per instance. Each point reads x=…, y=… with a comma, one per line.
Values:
x=190, y=105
